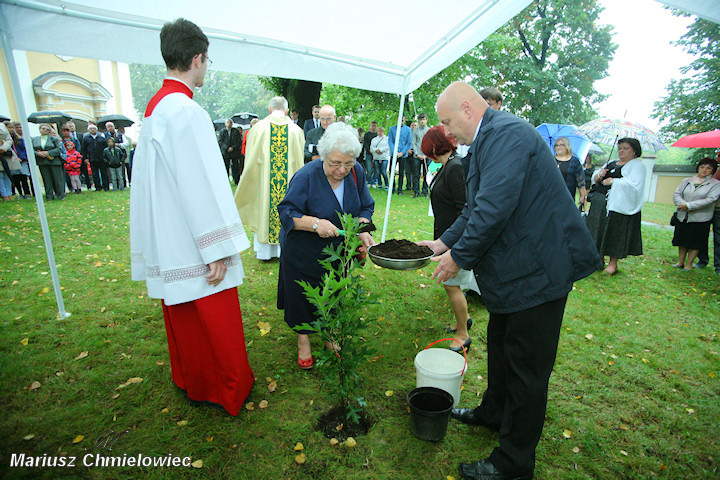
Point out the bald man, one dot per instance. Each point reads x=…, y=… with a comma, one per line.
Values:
x=526, y=243
x=327, y=118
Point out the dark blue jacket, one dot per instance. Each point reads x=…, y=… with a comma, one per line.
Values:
x=520, y=232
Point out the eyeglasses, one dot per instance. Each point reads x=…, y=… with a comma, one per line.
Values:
x=560, y=145
x=338, y=165
x=205, y=57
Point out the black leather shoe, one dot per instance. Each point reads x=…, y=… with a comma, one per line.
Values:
x=465, y=346
x=484, y=470
x=469, y=417
x=453, y=330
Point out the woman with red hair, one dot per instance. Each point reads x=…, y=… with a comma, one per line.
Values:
x=447, y=197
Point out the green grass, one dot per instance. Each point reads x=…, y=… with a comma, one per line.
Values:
x=636, y=381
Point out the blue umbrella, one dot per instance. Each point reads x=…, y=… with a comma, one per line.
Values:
x=581, y=146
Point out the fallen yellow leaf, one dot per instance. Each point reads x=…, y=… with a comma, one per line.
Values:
x=576, y=449
x=350, y=442
x=449, y=477
x=690, y=410
x=389, y=393
x=567, y=433
x=589, y=336
x=24, y=341
x=300, y=459
x=334, y=441
x=268, y=379
x=82, y=355
x=210, y=439
x=298, y=447
x=160, y=363
x=164, y=410
x=197, y=464
x=623, y=452
x=272, y=386
x=182, y=423
x=115, y=396
x=29, y=437
x=264, y=328
x=250, y=405
x=79, y=439
x=46, y=290
x=34, y=385
x=102, y=310
x=133, y=380
x=263, y=404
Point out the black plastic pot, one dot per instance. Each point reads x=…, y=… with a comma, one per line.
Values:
x=429, y=411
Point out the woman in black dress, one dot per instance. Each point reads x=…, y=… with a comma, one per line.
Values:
x=614, y=219
x=310, y=222
x=447, y=196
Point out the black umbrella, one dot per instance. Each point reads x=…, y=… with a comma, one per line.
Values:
x=120, y=121
x=3, y=118
x=243, y=118
x=49, y=117
x=219, y=123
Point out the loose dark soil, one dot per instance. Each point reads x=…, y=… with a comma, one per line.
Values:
x=334, y=424
x=401, y=249
x=367, y=227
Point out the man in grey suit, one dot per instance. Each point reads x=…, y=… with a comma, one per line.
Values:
x=526, y=243
x=327, y=117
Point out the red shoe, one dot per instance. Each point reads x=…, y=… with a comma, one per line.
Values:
x=306, y=364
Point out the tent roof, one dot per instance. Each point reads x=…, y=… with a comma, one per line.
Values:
x=707, y=9
x=369, y=44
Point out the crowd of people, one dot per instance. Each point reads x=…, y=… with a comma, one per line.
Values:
x=96, y=159
x=505, y=213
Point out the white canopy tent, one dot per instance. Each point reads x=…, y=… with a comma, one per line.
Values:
x=370, y=44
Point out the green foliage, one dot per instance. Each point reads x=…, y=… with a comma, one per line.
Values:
x=544, y=61
x=692, y=105
x=300, y=94
x=222, y=95
x=339, y=301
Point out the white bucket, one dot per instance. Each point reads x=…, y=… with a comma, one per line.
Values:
x=441, y=368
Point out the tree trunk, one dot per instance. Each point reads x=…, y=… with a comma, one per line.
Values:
x=301, y=96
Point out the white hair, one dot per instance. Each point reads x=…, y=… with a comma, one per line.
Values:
x=278, y=103
x=339, y=137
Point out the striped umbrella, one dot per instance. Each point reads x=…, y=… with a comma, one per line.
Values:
x=608, y=131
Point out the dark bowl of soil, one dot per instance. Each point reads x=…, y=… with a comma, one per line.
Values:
x=400, y=255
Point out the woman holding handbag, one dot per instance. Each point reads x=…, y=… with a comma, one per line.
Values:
x=695, y=198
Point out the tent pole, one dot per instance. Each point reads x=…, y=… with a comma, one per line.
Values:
x=393, y=161
x=17, y=93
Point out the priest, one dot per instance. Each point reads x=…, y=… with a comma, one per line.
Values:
x=273, y=154
x=185, y=234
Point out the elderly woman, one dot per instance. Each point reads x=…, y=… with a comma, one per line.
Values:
x=695, y=199
x=317, y=194
x=447, y=197
x=624, y=181
x=570, y=168
x=48, y=151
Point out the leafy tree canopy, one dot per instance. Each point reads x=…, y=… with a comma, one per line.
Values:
x=222, y=95
x=692, y=104
x=545, y=62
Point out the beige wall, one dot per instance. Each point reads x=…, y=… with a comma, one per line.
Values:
x=40, y=63
x=667, y=183
x=7, y=86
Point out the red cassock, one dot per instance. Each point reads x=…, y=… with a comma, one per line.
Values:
x=203, y=323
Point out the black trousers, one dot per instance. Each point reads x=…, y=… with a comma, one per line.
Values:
x=238, y=164
x=101, y=177
x=521, y=354
x=85, y=176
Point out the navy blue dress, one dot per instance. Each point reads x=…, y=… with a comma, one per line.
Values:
x=309, y=193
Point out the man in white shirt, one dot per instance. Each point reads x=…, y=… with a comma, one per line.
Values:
x=185, y=234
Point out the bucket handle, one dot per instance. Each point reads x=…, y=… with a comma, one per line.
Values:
x=452, y=340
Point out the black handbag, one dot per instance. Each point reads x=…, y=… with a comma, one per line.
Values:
x=674, y=222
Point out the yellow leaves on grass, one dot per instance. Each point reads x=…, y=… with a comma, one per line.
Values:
x=24, y=341
x=350, y=442
x=29, y=437
x=264, y=328
x=576, y=450
x=79, y=439
x=82, y=355
x=197, y=464
x=182, y=423
x=129, y=382
x=272, y=386
x=164, y=410
x=389, y=393
x=250, y=406
x=334, y=441
x=567, y=433
x=299, y=447
x=300, y=459
x=34, y=385
x=263, y=404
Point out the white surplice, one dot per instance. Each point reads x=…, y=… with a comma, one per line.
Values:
x=182, y=213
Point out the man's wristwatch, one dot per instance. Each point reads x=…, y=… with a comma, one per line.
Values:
x=315, y=225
